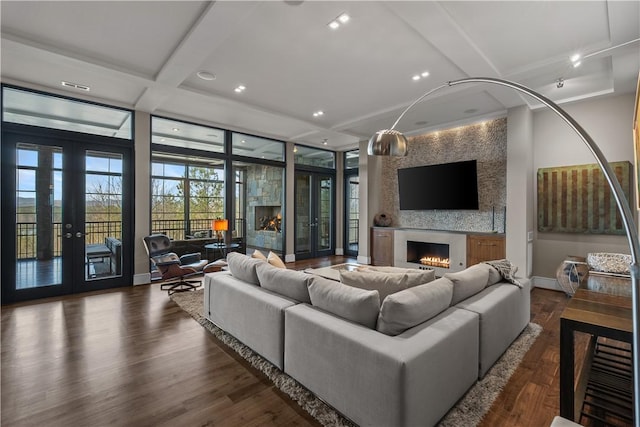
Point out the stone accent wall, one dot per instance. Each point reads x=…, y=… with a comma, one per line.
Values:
x=265, y=187
x=486, y=143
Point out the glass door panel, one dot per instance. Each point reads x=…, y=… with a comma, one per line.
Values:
x=303, y=215
x=103, y=215
x=352, y=214
x=325, y=212
x=38, y=211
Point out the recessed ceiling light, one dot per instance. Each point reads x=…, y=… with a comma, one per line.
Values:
x=205, y=75
x=324, y=141
x=575, y=58
x=175, y=129
x=343, y=18
x=422, y=75
x=577, y=64
x=244, y=141
x=318, y=114
x=240, y=89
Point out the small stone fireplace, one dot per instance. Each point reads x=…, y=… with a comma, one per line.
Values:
x=268, y=218
x=445, y=252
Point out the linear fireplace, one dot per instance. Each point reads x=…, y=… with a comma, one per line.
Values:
x=445, y=252
x=428, y=253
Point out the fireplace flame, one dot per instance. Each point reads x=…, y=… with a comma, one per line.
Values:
x=435, y=261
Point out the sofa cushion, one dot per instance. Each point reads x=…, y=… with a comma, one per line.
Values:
x=243, y=267
x=290, y=283
x=384, y=283
x=415, y=277
x=275, y=260
x=357, y=305
x=259, y=255
x=468, y=282
x=410, y=307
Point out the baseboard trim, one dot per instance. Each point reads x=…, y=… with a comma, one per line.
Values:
x=339, y=251
x=364, y=259
x=546, y=283
x=141, y=279
x=290, y=258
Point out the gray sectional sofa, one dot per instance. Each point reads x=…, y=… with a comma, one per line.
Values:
x=403, y=361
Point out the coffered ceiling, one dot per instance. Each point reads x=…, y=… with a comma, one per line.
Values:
x=145, y=55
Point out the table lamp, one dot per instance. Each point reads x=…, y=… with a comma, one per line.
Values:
x=219, y=226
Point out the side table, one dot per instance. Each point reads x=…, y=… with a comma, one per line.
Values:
x=600, y=315
x=222, y=247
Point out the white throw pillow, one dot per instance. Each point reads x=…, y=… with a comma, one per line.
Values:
x=468, y=282
x=357, y=305
x=413, y=306
x=243, y=267
x=275, y=260
x=259, y=255
x=290, y=283
x=384, y=283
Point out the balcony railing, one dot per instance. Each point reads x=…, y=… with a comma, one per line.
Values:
x=96, y=232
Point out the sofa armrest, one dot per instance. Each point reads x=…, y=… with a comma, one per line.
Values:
x=374, y=379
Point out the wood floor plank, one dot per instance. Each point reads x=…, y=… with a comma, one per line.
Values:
x=131, y=356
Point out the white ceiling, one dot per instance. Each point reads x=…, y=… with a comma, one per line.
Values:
x=145, y=55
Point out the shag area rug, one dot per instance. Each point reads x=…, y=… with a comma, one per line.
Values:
x=469, y=411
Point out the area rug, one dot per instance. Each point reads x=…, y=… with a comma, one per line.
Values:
x=469, y=411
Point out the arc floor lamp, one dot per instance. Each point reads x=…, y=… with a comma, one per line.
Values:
x=390, y=142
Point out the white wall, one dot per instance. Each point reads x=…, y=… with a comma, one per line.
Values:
x=520, y=210
x=142, y=201
x=609, y=122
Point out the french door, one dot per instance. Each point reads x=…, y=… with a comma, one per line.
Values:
x=66, y=214
x=314, y=213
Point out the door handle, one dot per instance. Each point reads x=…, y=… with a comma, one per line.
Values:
x=68, y=235
x=79, y=234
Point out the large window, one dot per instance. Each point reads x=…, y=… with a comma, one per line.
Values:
x=187, y=194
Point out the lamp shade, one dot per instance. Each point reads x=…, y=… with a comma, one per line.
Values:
x=388, y=142
x=220, y=224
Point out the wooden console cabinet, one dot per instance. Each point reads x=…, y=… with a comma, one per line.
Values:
x=381, y=246
x=481, y=247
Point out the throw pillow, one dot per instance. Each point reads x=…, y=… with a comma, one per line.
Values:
x=357, y=305
x=290, y=283
x=384, y=283
x=406, y=309
x=416, y=276
x=259, y=255
x=506, y=270
x=243, y=267
x=468, y=282
x=275, y=260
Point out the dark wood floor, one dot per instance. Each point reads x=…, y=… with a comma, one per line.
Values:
x=131, y=357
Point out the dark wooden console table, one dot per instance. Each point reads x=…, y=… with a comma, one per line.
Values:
x=602, y=308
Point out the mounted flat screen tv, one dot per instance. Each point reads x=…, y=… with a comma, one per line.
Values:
x=447, y=186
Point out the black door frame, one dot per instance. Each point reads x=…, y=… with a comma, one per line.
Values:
x=315, y=175
x=73, y=279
